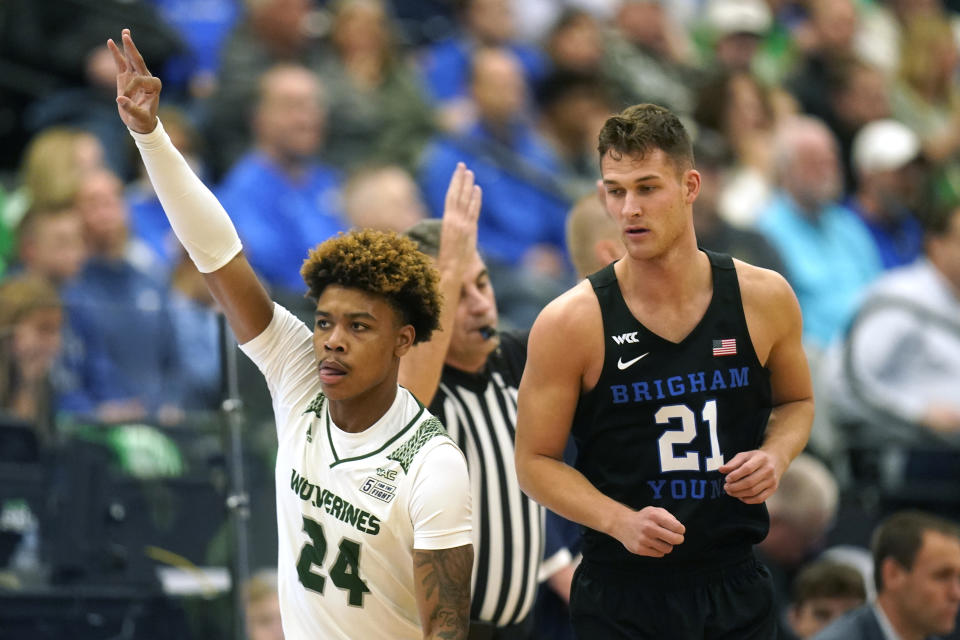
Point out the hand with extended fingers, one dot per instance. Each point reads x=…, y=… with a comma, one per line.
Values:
x=461, y=209
x=138, y=91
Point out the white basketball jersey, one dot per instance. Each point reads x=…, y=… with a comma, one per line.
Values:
x=350, y=506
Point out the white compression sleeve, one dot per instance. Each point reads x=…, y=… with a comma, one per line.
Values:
x=197, y=217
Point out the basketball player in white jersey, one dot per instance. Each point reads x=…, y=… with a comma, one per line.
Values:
x=373, y=500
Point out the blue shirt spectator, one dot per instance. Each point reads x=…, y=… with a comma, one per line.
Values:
x=279, y=218
x=523, y=204
x=521, y=228
x=282, y=201
x=446, y=66
x=120, y=316
x=828, y=261
x=828, y=254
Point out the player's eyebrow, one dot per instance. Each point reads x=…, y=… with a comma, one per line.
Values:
x=651, y=176
x=356, y=315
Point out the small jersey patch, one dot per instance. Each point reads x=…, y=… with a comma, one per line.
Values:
x=404, y=453
x=379, y=489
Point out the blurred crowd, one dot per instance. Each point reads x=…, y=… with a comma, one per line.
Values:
x=827, y=133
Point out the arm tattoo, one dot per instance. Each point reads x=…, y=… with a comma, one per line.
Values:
x=443, y=580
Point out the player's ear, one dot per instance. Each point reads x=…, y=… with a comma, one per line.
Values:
x=405, y=339
x=691, y=185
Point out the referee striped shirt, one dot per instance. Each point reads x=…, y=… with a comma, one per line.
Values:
x=480, y=414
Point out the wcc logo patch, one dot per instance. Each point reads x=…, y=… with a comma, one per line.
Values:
x=379, y=489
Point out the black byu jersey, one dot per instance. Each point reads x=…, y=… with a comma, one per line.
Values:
x=665, y=416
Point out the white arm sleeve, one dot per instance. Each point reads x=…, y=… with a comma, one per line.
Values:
x=199, y=221
x=440, y=505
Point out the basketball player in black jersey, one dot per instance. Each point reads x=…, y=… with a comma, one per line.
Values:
x=681, y=375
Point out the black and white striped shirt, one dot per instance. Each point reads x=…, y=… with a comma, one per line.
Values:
x=480, y=414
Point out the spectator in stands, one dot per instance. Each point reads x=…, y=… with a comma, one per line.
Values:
x=833, y=25
x=521, y=231
x=468, y=375
x=262, y=606
x=50, y=171
x=51, y=244
x=802, y=511
x=449, y=66
x=383, y=197
x=281, y=199
x=120, y=355
x=858, y=95
x=713, y=231
x=885, y=157
x=575, y=43
x=828, y=254
x=745, y=113
x=822, y=592
x=736, y=30
x=916, y=560
x=898, y=369
x=271, y=32
x=647, y=58
x=376, y=101
x=926, y=98
x=148, y=222
x=31, y=317
x=573, y=108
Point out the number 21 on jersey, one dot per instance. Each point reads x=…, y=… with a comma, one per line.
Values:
x=670, y=460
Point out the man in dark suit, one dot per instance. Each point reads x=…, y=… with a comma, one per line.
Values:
x=916, y=567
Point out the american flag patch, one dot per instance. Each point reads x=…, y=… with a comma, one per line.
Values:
x=725, y=347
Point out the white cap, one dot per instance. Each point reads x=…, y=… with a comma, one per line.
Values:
x=726, y=17
x=884, y=145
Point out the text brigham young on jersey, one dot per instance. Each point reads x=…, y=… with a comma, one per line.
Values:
x=660, y=388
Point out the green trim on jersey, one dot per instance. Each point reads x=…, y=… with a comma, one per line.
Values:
x=389, y=442
x=316, y=405
x=404, y=453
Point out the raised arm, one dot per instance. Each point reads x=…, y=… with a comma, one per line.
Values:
x=557, y=358
x=775, y=324
x=421, y=368
x=197, y=218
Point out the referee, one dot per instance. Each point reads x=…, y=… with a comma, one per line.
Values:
x=468, y=375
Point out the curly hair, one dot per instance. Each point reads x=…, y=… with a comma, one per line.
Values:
x=382, y=263
x=639, y=129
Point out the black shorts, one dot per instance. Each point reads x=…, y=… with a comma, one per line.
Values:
x=731, y=603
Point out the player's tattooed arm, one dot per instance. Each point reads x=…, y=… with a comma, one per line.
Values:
x=442, y=582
